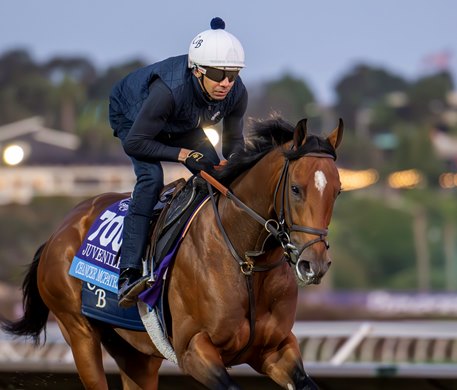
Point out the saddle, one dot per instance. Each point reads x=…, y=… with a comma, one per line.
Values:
x=178, y=200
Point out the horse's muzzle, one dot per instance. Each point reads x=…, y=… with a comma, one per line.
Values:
x=307, y=273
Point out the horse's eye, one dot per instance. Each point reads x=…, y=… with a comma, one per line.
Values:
x=295, y=190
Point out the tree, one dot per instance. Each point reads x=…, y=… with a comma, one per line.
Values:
x=102, y=86
x=24, y=89
x=362, y=89
x=427, y=96
x=288, y=96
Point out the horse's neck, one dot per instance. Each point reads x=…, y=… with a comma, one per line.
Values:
x=255, y=188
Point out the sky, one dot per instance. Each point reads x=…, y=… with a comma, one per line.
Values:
x=319, y=41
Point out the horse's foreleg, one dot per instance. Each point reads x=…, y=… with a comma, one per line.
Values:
x=285, y=367
x=203, y=362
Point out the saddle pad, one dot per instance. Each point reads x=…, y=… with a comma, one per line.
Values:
x=101, y=304
x=97, y=261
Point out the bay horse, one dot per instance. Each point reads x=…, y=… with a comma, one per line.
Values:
x=233, y=287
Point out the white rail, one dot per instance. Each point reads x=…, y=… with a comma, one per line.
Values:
x=340, y=348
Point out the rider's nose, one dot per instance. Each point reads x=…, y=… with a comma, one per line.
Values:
x=225, y=82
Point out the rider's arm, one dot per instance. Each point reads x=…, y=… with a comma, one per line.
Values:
x=140, y=142
x=232, y=134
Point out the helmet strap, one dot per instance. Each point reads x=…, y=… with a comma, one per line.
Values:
x=202, y=85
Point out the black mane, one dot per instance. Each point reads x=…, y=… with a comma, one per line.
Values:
x=263, y=137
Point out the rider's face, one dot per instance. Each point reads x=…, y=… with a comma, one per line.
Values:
x=216, y=90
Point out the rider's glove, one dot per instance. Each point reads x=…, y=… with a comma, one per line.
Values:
x=197, y=162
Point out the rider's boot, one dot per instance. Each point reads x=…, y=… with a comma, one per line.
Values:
x=131, y=283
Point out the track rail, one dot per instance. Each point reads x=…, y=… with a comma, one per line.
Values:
x=339, y=348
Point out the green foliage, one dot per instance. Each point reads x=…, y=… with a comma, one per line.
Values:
x=371, y=244
x=101, y=87
x=356, y=152
x=427, y=96
x=288, y=96
x=362, y=88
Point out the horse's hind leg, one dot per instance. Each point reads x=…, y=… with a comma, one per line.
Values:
x=138, y=370
x=202, y=361
x=84, y=341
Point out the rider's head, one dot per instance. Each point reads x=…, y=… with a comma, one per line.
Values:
x=216, y=57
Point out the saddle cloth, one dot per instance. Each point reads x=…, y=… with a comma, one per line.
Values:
x=97, y=261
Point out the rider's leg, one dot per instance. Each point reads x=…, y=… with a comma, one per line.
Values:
x=137, y=223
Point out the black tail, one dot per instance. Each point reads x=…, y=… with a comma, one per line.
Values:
x=35, y=311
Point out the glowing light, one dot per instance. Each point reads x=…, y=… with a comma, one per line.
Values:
x=448, y=180
x=212, y=135
x=409, y=178
x=13, y=155
x=355, y=180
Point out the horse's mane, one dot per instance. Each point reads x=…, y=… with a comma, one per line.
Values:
x=264, y=136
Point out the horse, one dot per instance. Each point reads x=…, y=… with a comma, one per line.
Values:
x=233, y=286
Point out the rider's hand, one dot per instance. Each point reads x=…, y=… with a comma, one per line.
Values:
x=221, y=165
x=197, y=162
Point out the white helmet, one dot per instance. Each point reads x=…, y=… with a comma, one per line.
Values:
x=216, y=47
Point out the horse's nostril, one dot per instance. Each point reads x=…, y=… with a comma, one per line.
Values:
x=305, y=265
x=329, y=264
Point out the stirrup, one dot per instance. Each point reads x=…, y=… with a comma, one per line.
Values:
x=129, y=297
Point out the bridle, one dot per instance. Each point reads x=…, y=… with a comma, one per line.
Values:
x=285, y=228
x=280, y=229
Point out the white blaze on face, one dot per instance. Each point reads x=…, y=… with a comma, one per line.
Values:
x=320, y=181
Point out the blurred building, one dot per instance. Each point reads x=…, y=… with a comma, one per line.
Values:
x=39, y=161
x=445, y=145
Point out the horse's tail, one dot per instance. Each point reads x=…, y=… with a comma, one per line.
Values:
x=36, y=312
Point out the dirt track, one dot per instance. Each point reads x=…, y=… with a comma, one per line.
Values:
x=38, y=381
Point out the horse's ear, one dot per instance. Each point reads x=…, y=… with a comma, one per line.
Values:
x=300, y=133
x=336, y=135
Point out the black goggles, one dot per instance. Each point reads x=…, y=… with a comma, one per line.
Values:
x=219, y=75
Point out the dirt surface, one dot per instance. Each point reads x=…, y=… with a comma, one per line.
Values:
x=38, y=381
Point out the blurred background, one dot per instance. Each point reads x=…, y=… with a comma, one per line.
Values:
x=387, y=69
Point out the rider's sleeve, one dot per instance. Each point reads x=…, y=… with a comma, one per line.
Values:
x=140, y=142
x=232, y=134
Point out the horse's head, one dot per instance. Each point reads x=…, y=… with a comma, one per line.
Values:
x=305, y=194
x=300, y=174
